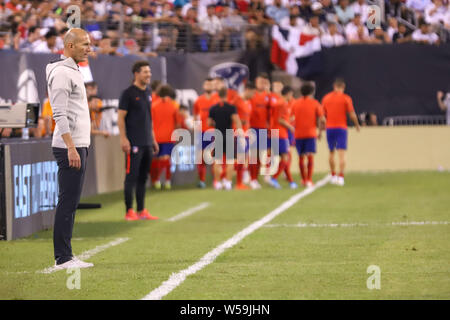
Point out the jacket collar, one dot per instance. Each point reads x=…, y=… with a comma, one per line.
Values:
x=69, y=62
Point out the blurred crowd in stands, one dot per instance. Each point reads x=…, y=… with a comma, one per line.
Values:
x=123, y=27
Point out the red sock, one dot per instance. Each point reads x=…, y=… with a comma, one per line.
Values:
x=153, y=170
x=302, y=167
x=253, y=169
x=201, y=171
x=333, y=173
x=239, y=173
x=341, y=174
x=159, y=169
x=167, y=167
x=223, y=175
x=281, y=167
x=287, y=171
x=310, y=166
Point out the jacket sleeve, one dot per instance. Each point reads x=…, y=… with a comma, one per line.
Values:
x=59, y=88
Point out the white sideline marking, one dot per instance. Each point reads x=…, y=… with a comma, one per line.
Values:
x=190, y=211
x=89, y=253
x=347, y=225
x=178, y=278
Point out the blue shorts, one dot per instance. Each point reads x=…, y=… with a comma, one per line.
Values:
x=260, y=133
x=283, y=145
x=307, y=145
x=165, y=149
x=337, y=138
x=291, y=138
x=240, y=148
x=205, y=143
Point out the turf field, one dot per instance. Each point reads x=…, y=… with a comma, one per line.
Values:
x=318, y=248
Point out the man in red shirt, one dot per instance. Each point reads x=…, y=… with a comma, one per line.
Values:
x=165, y=120
x=259, y=122
x=280, y=120
x=201, y=113
x=337, y=105
x=306, y=112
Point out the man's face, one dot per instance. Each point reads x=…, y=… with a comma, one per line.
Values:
x=248, y=93
x=144, y=75
x=219, y=84
x=208, y=86
x=277, y=86
x=51, y=42
x=81, y=48
x=260, y=83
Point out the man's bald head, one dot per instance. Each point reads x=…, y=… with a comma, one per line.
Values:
x=74, y=35
x=77, y=44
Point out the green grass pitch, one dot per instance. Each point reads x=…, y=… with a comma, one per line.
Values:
x=277, y=261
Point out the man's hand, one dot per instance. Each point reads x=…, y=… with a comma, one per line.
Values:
x=440, y=95
x=155, y=147
x=74, y=158
x=125, y=145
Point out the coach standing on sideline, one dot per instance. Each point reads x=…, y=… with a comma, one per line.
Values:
x=137, y=138
x=71, y=140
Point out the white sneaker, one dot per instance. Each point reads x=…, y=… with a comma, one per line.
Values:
x=227, y=185
x=74, y=263
x=217, y=185
x=309, y=184
x=334, y=179
x=268, y=179
x=340, y=181
x=254, y=184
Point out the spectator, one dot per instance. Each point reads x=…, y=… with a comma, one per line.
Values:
x=276, y=11
x=424, y=35
x=313, y=27
x=418, y=5
x=393, y=27
x=356, y=32
x=49, y=45
x=305, y=10
x=294, y=19
x=212, y=26
x=330, y=11
x=200, y=9
x=233, y=24
x=402, y=35
x=435, y=12
x=332, y=37
x=379, y=36
x=318, y=11
x=32, y=41
x=361, y=7
x=344, y=12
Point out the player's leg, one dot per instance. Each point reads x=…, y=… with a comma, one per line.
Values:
x=300, y=145
x=132, y=161
x=201, y=167
x=310, y=149
x=70, y=182
x=144, y=166
x=255, y=158
x=341, y=146
x=331, y=140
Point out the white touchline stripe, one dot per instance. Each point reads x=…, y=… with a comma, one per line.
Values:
x=178, y=278
x=346, y=225
x=89, y=253
x=190, y=211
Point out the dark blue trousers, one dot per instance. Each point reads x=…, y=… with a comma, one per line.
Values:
x=70, y=182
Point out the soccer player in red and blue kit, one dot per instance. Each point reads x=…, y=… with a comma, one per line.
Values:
x=337, y=105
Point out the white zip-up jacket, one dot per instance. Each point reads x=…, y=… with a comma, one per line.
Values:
x=69, y=103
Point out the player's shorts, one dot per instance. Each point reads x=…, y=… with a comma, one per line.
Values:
x=291, y=138
x=205, y=143
x=283, y=145
x=165, y=149
x=337, y=138
x=307, y=145
x=242, y=148
x=260, y=133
